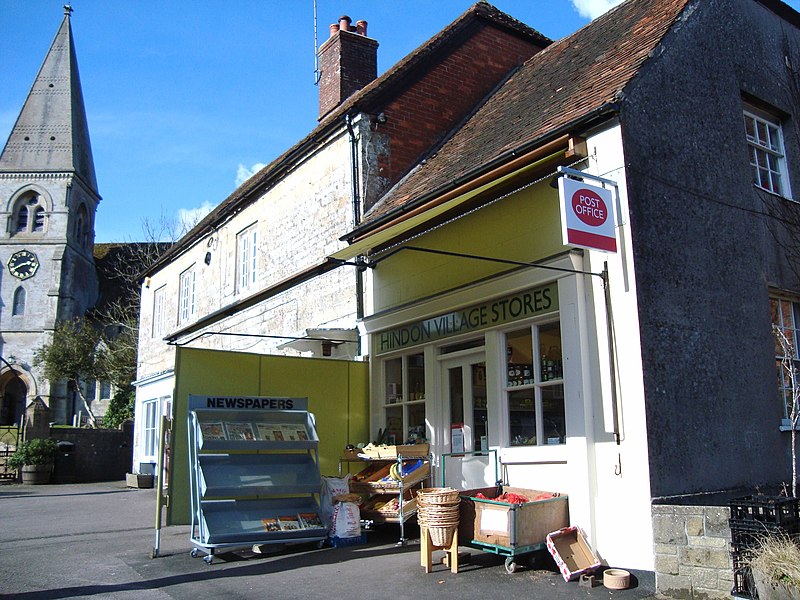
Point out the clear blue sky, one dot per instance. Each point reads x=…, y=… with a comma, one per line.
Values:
x=183, y=96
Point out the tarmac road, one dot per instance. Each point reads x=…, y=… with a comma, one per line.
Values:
x=95, y=541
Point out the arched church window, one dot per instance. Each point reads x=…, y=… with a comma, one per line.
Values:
x=81, y=226
x=29, y=215
x=18, y=307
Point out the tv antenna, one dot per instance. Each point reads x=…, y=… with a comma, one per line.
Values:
x=317, y=74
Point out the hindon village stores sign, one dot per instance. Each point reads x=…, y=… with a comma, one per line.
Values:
x=522, y=305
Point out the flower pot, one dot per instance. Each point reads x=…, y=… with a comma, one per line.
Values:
x=36, y=474
x=770, y=589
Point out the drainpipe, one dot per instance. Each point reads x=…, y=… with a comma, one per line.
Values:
x=356, y=217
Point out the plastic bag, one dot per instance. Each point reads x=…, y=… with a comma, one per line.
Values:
x=346, y=520
x=332, y=487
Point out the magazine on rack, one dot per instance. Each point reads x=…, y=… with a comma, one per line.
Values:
x=271, y=524
x=289, y=523
x=240, y=431
x=310, y=520
x=212, y=431
x=265, y=431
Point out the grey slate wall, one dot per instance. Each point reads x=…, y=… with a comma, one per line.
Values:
x=704, y=256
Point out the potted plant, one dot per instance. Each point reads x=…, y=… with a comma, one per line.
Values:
x=35, y=458
x=776, y=568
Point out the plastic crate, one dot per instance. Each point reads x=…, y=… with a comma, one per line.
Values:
x=339, y=542
x=766, y=510
x=743, y=585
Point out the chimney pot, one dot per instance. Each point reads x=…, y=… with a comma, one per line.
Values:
x=334, y=29
x=361, y=27
x=344, y=23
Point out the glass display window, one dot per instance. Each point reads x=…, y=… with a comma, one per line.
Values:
x=404, y=401
x=534, y=386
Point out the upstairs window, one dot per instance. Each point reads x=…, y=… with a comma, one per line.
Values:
x=247, y=243
x=186, y=304
x=159, y=300
x=786, y=327
x=766, y=151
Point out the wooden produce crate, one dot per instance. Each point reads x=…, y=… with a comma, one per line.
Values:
x=392, y=452
x=371, y=481
x=513, y=527
x=384, y=508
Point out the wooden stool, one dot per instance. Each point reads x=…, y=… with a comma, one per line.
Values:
x=427, y=548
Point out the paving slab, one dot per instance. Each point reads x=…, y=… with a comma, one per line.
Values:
x=96, y=540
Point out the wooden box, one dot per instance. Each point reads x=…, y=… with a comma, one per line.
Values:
x=390, y=452
x=510, y=526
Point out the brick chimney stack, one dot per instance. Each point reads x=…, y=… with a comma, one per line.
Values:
x=348, y=60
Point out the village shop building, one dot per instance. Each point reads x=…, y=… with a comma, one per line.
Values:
x=634, y=389
x=632, y=380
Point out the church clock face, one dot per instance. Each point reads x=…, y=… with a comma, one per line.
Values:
x=23, y=264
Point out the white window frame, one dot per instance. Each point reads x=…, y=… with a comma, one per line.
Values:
x=186, y=297
x=536, y=381
x=402, y=397
x=791, y=327
x=150, y=415
x=766, y=151
x=247, y=246
x=159, y=311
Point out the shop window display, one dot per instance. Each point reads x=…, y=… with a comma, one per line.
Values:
x=404, y=379
x=534, y=386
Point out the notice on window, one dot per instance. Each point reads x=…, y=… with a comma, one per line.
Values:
x=457, y=438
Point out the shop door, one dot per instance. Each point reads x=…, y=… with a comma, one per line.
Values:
x=465, y=427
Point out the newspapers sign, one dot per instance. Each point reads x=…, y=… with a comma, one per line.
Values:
x=587, y=215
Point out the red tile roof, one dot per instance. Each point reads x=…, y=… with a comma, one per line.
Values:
x=564, y=83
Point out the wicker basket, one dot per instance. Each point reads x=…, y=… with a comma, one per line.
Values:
x=437, y=495
x=442, y=536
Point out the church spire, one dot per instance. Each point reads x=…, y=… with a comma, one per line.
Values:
x=51, y=133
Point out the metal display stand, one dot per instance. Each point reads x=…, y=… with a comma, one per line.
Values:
x=254, y=477
x=402, y=489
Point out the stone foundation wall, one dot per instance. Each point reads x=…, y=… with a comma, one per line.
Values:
x=692, y=550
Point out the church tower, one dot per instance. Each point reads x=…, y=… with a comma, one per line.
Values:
x=48, y=201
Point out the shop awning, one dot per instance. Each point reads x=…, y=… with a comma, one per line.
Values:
x=404, y=224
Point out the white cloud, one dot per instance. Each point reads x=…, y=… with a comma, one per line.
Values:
x=243, y=173
x=594, y=8
x=189, y=217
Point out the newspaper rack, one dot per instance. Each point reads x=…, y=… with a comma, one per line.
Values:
x=253, y=474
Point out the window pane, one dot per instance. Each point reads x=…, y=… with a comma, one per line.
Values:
x=550, y=351
x=416, y=423
x=456, y=386
x=522, y=417
x=553, y=414
x=394, y=424
x=416, y=377
x=750, y=127
x=394, y=380
x=519, y=354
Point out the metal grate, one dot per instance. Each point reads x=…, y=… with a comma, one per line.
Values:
x=9, y=438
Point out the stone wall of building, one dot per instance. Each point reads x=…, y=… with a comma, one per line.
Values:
x=96, y=454
x=692, y=550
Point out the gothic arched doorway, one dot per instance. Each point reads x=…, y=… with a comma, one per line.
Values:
x=12, y=401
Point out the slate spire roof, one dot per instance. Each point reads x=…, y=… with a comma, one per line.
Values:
x=51, y=133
